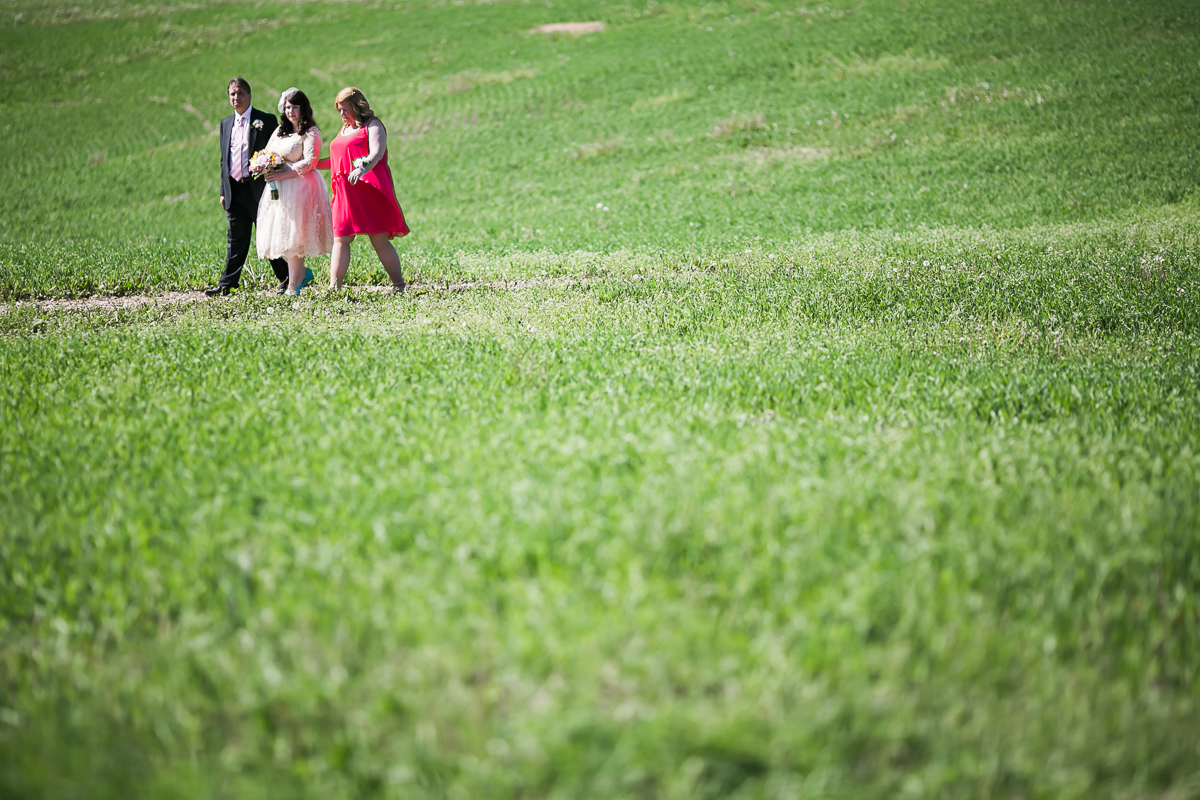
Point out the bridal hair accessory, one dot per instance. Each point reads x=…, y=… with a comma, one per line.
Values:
x=283, y=98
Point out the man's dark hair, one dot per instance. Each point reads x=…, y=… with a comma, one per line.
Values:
x=242, y=83
x=300, y=100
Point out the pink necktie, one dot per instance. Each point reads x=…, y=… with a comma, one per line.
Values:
x=237, y=169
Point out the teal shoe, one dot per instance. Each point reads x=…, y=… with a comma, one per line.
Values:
x=308, y=278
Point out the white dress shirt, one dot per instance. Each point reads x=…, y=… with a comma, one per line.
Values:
x=239, y=146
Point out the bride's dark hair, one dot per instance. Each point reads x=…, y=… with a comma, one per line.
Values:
x=299, y=99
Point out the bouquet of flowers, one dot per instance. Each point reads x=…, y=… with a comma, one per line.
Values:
x=263, y=163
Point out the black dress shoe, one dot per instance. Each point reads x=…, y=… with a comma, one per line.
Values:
x=220, y=291
x=282, y=288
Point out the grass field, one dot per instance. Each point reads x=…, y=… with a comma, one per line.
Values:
x=697, y=126
x=817, y=413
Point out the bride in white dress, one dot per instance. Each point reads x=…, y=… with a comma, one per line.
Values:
x=299, y=223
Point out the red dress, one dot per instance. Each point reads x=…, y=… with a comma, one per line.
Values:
x=368, y=206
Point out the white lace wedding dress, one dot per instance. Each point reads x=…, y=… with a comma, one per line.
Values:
x=300, y=222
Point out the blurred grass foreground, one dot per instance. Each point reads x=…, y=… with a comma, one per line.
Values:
x=790, y=401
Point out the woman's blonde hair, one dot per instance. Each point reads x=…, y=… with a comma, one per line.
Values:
x=358, y=104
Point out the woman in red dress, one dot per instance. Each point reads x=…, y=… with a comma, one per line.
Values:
x=364, y=200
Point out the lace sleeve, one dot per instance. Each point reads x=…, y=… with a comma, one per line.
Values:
x=312, y=152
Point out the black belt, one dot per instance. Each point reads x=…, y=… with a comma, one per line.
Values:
x=243, y=181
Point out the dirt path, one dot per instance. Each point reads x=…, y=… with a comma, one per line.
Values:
x=107, y=303
x=138, y=301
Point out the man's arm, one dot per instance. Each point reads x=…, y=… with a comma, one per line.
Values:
x=221, y=170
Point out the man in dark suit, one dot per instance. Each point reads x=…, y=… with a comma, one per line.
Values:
x=242, y=135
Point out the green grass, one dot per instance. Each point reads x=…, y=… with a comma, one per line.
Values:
x=777, y=523
x=822, y=463
x=777, y=124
